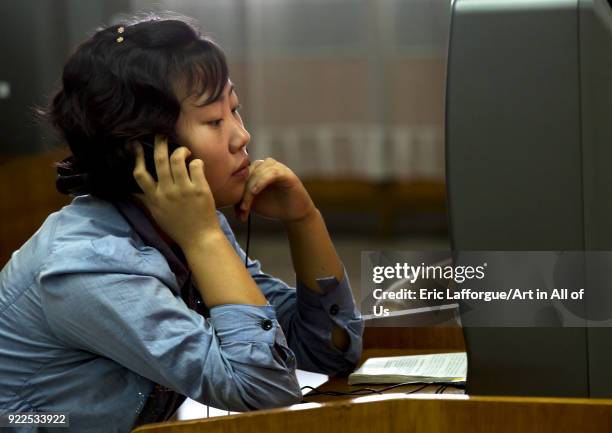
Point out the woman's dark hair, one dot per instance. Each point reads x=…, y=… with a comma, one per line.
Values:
x=121, y=85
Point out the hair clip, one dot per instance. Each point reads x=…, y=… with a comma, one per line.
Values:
x=120, y=30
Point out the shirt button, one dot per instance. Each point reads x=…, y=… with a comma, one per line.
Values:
x=333, y=310
x=267, y=324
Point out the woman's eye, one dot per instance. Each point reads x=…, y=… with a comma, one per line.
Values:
x=217, y=123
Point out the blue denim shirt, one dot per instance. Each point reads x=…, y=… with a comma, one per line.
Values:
x=91, y=318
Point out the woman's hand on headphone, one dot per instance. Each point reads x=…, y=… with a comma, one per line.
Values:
x=274, y=191
x=180, y=201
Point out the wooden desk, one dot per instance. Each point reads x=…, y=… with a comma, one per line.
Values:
x=415, y=413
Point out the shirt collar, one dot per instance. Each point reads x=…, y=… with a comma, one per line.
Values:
x=144, y=228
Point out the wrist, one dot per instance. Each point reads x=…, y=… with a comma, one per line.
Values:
x=312, y=215
x=203, y=240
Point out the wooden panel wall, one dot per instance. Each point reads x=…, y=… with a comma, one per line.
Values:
x=27, y=196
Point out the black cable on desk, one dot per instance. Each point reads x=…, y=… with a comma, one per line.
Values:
x=370, y=391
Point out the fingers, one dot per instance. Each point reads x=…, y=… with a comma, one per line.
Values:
x=262, y=174
x=242, y=209
x=142, y=177
x=196, y=173
x=179, y=166
x=171, y=171
x=160, y=154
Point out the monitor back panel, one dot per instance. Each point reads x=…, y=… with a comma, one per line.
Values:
x=514, y=172
x=595, y=27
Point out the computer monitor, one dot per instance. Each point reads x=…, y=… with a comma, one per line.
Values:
x=529, y=157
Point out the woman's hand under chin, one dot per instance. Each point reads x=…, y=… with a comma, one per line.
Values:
x=274, y=191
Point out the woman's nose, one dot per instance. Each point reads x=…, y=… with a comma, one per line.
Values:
x=241, y=138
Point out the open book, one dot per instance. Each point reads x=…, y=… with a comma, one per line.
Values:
x=439, y=367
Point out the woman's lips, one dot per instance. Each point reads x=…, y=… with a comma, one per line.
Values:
x=242, y=174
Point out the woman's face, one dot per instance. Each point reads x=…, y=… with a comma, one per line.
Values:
x=215, y=134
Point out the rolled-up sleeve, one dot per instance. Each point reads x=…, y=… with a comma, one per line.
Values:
x=317, y=313
x=237, y=359
x=308, y=317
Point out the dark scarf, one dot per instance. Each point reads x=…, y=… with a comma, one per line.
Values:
x=163, y=402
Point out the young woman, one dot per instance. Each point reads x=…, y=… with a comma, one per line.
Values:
x=136, y=294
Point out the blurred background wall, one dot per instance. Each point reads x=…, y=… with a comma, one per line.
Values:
x=348, y=93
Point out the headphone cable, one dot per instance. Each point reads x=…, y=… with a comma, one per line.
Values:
x=248, y=242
